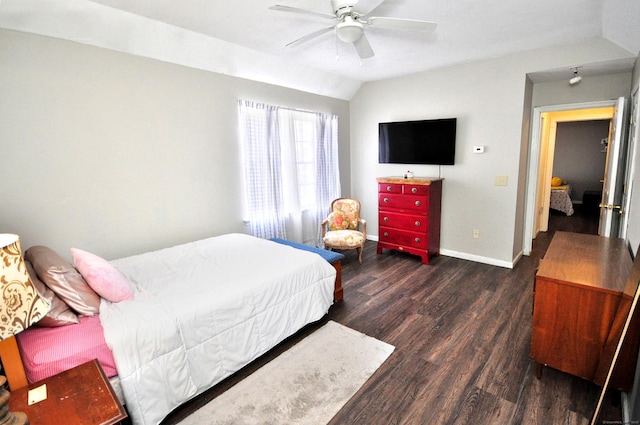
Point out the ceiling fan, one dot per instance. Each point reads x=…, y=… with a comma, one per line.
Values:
x=350, y=26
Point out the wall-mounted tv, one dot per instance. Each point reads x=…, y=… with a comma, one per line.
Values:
x=417, y=142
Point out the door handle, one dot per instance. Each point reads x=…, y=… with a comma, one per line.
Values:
x=610, y=207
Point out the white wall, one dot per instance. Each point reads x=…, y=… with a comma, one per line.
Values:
x=118, y=154
x=590, y=89
x=579, y=155
x=488, y=98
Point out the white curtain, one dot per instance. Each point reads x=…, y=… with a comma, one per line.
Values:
x=291, y=170
x=328, y=173
x=263, y=180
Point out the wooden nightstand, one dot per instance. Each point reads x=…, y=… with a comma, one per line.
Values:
x=82, y=395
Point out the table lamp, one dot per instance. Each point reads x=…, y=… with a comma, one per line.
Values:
x=20, y=307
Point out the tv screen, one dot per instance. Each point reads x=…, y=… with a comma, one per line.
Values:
x=417, y=142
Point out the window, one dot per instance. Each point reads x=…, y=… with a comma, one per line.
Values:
x=304, y=136
x=291, y=172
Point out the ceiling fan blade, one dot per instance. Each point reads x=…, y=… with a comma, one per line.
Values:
x=363, y=47
x=282, y=8
x=310, y=36
x=401, y=24
x=368, y=7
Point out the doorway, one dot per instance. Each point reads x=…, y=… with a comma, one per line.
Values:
x=555, y=125
x=541, y=157
x=579, y=167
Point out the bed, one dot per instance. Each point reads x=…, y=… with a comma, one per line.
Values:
x=561, y=199
x=198, y=313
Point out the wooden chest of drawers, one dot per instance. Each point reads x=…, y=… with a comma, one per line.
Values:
x=577, y=291
x=409, y=215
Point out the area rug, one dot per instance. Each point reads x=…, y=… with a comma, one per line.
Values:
x=307, y=384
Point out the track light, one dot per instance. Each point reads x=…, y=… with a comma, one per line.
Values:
x=576, y=78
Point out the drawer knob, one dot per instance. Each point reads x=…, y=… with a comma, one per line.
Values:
x=386, y=234
x=417, y=240
x=418, y=203
x=414, y=190
x=389, y=188
x=385, y=200
x=386, y=219
x=417, y=223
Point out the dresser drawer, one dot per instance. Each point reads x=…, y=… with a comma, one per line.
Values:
x=403, y=237
x=415, y=189
x=389, y=188
x=411, y=222
x=403, y=202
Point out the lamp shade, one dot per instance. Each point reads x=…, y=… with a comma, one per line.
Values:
x=20, y=303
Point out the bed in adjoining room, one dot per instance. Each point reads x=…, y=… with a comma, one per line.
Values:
x=197, y=313
x=561, y=199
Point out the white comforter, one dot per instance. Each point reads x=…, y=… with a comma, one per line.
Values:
x=203, y=310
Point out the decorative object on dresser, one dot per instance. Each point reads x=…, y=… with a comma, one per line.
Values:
x=344, y=228
x=578, y=289
x=21, y=307
x=81, y=395
x=409, y=215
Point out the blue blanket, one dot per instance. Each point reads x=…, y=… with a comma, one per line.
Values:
x=330, y=256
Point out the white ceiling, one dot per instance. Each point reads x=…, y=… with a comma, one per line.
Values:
x=247, y=39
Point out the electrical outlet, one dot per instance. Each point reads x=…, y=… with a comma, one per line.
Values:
x=501, y=180
x=476, y=233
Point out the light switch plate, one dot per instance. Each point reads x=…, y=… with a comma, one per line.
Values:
x=501, y=180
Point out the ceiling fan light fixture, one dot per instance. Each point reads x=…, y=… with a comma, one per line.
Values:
x=349, y=30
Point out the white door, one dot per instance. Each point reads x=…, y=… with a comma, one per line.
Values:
x=612, y=188
x=630, y=172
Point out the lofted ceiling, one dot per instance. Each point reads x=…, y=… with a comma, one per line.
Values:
x=246, y=38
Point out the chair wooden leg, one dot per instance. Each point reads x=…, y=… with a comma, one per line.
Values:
x=360, y=253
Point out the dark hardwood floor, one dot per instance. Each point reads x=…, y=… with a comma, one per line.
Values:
x=462, y=335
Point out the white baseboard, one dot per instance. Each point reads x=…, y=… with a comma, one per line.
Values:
x=470, y=257
x=477, y=258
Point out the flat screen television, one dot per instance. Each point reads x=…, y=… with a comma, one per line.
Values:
x=417, y=142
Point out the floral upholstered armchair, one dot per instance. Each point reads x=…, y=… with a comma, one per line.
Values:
x=344, y=229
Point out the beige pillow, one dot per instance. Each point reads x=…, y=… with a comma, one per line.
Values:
x=64, y=280
x=59, y=314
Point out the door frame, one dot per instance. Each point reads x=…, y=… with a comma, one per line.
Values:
x=632, y=135
x=533, y=163
x=613, y=190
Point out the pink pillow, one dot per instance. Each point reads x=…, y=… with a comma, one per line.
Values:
x=102, y=277
x=64, y=280
x=60, y=313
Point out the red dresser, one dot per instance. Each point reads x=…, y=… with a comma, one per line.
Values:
x=409, y=215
